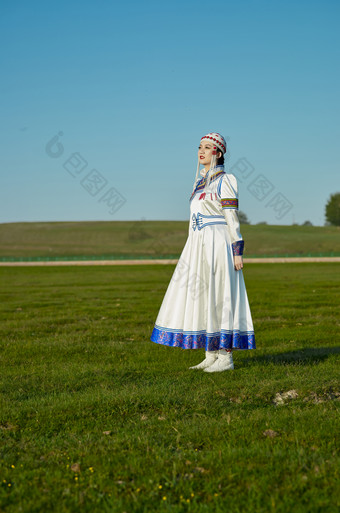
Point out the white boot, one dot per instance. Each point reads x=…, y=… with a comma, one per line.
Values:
x=223, y=362
x=210, y=358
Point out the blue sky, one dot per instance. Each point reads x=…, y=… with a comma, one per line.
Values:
x=133, y=86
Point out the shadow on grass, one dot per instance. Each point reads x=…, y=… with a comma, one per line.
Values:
x=300, y=356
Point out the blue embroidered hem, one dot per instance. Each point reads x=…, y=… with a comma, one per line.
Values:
x=226, y=339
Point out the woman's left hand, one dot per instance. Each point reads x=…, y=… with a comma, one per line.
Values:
x=238, y=262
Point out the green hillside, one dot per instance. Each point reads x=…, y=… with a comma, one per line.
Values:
x=152, y=239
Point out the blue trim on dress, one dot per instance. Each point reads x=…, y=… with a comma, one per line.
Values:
x=231, y=186
x=225, y=339
x=219, y=186
x=197, y=220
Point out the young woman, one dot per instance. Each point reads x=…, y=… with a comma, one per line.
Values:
x=206, y=303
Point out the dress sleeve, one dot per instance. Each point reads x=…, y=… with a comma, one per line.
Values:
x=229, y=202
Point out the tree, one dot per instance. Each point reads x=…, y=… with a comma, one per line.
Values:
x=332, y=209
x=243, y=217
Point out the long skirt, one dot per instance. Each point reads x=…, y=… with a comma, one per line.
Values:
x=206, y=303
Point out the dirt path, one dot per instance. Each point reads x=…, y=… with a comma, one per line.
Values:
x=277, y=260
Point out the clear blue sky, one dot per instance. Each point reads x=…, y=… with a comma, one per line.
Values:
x=133, y=86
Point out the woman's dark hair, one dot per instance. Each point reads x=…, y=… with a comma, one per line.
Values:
x=220, y=160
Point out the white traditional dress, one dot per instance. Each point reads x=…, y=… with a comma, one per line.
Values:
x=206, y=303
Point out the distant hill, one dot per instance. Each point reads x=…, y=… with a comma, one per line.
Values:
x=153, y=239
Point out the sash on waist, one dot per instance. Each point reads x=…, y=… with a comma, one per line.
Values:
x=199, y=220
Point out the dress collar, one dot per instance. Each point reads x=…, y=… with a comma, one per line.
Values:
x=216, y=169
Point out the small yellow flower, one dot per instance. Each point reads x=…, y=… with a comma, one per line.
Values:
x=160, y=487
x=215, y=494
x=138, y=490
x=91, y=469
x=188, y=500
x=9, y=484
x=76, y=478
x=192, y=495
x=4, y=481
x=13, y=466
x=164, y=498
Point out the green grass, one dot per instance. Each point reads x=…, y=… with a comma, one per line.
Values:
x=153, y=239
x=81, y=384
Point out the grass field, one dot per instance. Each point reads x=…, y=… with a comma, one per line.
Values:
x=96, y=418
x=153, y=239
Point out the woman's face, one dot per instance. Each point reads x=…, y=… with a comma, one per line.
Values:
x=205, y=150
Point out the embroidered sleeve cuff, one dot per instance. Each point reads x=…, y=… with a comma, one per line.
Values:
x=229, y=203
x=238, y=247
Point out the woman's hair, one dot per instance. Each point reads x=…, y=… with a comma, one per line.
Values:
x=219, y=160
